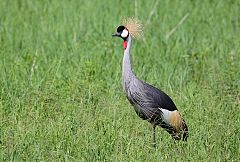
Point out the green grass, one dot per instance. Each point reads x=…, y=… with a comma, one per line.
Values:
x=60, y=80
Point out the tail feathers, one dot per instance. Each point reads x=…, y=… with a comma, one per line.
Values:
x=185, y=131
x=175, y=133
x=182, y=133
x=176, y=126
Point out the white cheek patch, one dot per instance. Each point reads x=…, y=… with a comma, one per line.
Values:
x=124, y=33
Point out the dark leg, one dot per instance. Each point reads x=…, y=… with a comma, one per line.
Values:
x=154, y=136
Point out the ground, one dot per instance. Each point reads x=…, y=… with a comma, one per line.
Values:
x=60, y=79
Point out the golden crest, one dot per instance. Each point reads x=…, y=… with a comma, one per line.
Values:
x=134, y=27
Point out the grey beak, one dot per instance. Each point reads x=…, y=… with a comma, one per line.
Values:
x=116, y=35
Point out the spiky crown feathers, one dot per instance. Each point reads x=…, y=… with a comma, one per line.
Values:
x=134, y=27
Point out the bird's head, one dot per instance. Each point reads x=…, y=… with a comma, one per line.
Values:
x=122, y=32
x=131, y=26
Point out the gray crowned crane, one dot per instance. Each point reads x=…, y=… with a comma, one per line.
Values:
x=149, y=102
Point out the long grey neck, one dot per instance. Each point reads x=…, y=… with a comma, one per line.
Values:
x=127, y=73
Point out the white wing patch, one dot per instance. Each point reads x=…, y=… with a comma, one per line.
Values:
x=166, y=115
x=172, y=118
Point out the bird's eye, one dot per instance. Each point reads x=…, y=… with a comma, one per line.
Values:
x=124, y=33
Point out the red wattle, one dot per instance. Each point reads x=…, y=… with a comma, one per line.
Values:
x=125, y=44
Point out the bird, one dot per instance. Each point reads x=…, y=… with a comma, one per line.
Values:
x=150, y=103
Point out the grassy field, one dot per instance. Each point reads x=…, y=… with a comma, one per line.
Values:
x=60, y=79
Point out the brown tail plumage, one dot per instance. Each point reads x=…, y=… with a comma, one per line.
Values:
x=177, y=127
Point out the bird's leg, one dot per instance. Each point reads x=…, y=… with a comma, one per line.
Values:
x=154, y=136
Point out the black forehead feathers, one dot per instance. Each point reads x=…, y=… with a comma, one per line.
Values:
x=120, y=28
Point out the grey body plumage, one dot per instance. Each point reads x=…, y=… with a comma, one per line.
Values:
x=145, y=98
x=150, y=103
